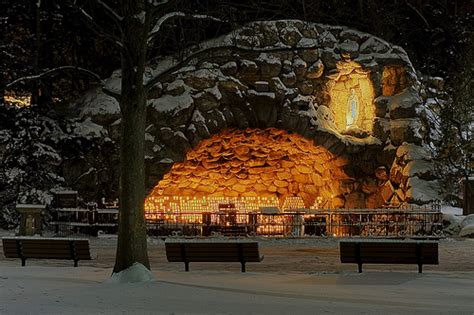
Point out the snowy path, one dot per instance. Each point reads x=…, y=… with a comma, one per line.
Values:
x=84, y=290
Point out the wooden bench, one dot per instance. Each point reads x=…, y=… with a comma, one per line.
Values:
x=389, y=252
x=46, y=248
x=197, y=251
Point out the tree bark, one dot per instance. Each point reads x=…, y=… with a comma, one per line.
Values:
x=132, y=238
x=36, y=88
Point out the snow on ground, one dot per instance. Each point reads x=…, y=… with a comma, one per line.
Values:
x=297, y=276
x=135, y=273
x=446, y=209
x=84, y=290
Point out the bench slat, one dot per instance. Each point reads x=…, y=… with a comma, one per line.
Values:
x=212, y=252
x=26, y=248
x=379, y=252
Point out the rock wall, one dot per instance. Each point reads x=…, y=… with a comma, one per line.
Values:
x=283, y=74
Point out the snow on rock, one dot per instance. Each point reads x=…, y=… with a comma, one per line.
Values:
x=166, y=161
x=89, y=129
x=451, y=224
x=171, y=104
x=411, y=152
x=467, y=226
x=418, y=167
x=307, y=42
x=447, y=209
x=229, y=67
x=404, y=104
x=100, y=107
x=373, y=44
x=176, y=87
x=114, y=82
x=135, y=273
x=422, y=191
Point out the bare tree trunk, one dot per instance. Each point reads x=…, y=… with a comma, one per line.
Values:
x=35, y=95
x=132, y=240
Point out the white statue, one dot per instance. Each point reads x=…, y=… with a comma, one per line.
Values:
x=352, y=109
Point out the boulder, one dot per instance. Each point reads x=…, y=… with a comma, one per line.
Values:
x=270, y=65
x=406, y=130
x=206, y=100
x=422, y=191
x=315, y=70
x=200, y=79
x=467, y=227
x=374, y=45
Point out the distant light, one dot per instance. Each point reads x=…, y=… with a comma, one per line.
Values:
x=18, y=100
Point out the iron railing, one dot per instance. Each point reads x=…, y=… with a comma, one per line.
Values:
x=322, y=223
x=337, y=223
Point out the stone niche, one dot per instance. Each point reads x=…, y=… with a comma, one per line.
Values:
x=352, y=98
x=347, y=95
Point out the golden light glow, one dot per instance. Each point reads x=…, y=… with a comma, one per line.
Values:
x=17, y=99
x=352, y=97
x=394, y=80
x=250, y=168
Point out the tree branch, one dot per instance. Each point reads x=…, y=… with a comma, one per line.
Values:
x=157, y=3
x=51, y=72
x=99, y=30
x=157, y=27
x=418, y=12
x=110, y=12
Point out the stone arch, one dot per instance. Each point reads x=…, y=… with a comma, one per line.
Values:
x=262, y=163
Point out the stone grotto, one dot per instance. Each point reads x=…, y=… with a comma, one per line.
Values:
x=282, y=112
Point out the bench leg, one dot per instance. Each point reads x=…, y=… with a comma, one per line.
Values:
x=420, y=268
x=186, y=266
x=360, y=267
x=243, y=266
x=75, y=262
x=23, y=261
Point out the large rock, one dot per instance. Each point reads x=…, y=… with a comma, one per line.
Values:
x=467, y=227
x=315, y=70
x=405, y=104
x=270, y=65
x=99, y=107
x=406, y=130
x=171, y=110
x=374, y=45
x=207, y=99
x=422, y=191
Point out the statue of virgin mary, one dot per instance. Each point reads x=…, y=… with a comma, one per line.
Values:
x=352, y=109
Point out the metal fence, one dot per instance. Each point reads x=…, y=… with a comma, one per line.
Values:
x=322, y=223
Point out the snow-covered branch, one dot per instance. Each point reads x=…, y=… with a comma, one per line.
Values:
x=157, y=3
x=417, y=12
x=110, y=12
x=52, y=71
x=96, y=28
x=171, y=15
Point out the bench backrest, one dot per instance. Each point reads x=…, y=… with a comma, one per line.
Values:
x=46, y=248
x=212, y=252
x=389, y=252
